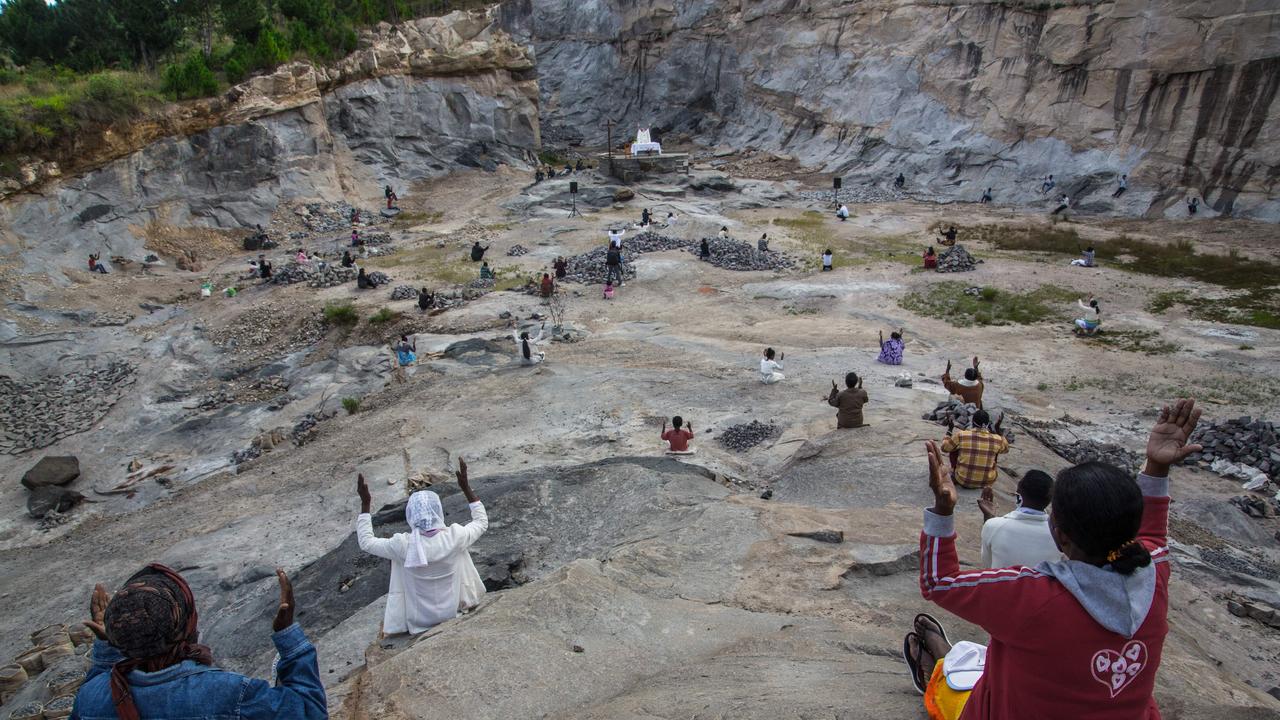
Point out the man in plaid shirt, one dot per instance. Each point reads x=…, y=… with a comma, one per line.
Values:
x=974, y=452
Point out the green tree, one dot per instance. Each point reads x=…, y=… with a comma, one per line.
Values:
x=244, y=19
x=202, y=16
x=27, y=30
x=151, y=27
x=93, y=35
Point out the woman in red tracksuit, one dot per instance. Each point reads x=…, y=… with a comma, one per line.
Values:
x=1077, y=638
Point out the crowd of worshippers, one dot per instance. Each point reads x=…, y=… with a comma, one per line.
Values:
x=1073, y=594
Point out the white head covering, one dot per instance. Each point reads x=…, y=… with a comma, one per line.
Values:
x=424, y=513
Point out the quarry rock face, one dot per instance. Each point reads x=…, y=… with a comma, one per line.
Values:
x=1177, y=94
x=413, y=103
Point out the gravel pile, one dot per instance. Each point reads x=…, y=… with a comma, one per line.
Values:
x=374, y=238
x=956, y=259
x=404, y=292
x=741, y=438
x=517, y=251
x=1256, y=505
x=38, y=413
x=485, y=284
x=737, y=255
x=1079, y=451
x=331, y=217
x=1242, y=441
x=649, y=241
x=589, y=267
x=313, y=274
x=961, y=414
x=379, y=278
x=855, y=194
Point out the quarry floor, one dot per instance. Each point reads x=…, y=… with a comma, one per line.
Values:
x=634, y=586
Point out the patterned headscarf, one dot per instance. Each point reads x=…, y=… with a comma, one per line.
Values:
x=153, y=621
x=424, y=514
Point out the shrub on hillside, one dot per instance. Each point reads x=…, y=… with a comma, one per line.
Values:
x=190, y=78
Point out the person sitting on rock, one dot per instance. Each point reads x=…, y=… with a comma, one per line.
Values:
x=1193, y=205
x=95, y=265
x=579, y=166
x=762, y=245
x=771, y=370
x=900, y=181
x=948, y=238
x=425, y=299
x=645, y=217
x=986, y=196
x=529, y=352
x=1088, y=325
x=432, y=575
x=1021, y=538
x=930, y=259
x=148, y=660
x=1064, y=202
x=537, y=176
x=547, y=287
x=724, y=232
x=1080, y=637
x=301, y=257
x=347, y=260
x=1085, y=259
x=677, y=437
x=827, y=259
x=562, y=268
x=975, y=452
x=406, y=351
x=671, y=219
x=363, y=282
x=264, y=267
x=848, y=402
x=355, y=216
x=843, y=213
x=891, y=350
x=477, y=252
x=486, y=273
x=1047, y=185
x=391, y=197
x=969, y=388
x=704, y=250
x=1121, y=186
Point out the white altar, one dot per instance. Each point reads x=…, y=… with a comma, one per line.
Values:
x=644, y=144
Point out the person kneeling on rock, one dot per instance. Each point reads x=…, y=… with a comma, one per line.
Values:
x=363, y=282
x=677, y=437
x=848, y=402
x=148, y=660
x=770, y=369
x=529, y=352
x=432, y=575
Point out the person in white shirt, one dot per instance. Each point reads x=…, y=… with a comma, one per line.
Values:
x=843, y=213
x=826, y=260
x=615, y=237
x=530, y=354
x=771, y=370
x=1092, y=317
x=1064, y=202
x=1022, y=537
x=671, y=219
x=432, y=575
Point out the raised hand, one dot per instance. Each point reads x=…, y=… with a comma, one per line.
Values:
x=366, y=498
x=284, y=615
x=464, y=483
x=948, y=370
x=940, y=482
x=987, y=503
x=975, y=362
x=98, y=611
x=1167, y=444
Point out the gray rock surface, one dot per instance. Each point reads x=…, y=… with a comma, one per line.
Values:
x=1178, y=94
x=52, y=470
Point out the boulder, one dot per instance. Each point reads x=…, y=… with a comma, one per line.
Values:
x=623, y=195
x=46, y=499
x=52, y=470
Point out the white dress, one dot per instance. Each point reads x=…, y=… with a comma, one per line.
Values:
x=770, y=372
x=422, y=597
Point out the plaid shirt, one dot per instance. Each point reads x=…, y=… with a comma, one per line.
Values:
x=973, y=455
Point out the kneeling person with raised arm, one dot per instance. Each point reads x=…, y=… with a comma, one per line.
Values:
x=432, y=575
x=1081, y=637
x=148, y=660
x=848, y=402
x=678, y=437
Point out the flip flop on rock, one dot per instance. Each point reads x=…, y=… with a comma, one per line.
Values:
x=912, y=659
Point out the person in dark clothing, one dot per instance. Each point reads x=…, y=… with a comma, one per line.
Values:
x=848, y=402
x=363, y=282
x=347, y=260
x=1193, y=205
x=986, y=196
x=562, y=268
x=1047, y=185
x=568, y=169
x=148, y=660
x=900, y=181
x=425, y=299
x=391, y=197
x=537, y=176
x=264, y=267
x=645, y=217
x=1121, y=187
x=705, y=250
x=547, y=287
x=580, y=166
x=949, y=237
x=355, y=216
x=477, y=252
x=613, y=264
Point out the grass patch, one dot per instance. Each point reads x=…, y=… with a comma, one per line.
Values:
x=411, y=219
x=341, y=313
x=948, y=300
x=810, y=233
x=351, y=405
x=1147, y=342
x=1257, y=307
x=384, y=315
x=51, y=108
x=1246, y=347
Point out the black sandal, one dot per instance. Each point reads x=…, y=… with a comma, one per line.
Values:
x=913, y=663
x=931, y=623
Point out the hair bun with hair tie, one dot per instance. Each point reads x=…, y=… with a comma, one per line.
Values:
x=1114, y=555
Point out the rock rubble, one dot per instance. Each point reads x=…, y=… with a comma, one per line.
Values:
x=404, y=292
x=956, y=259
x=1243, y=441
x=743, y=437
x=38, y=413
x=517, y=251
x=737, y=255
